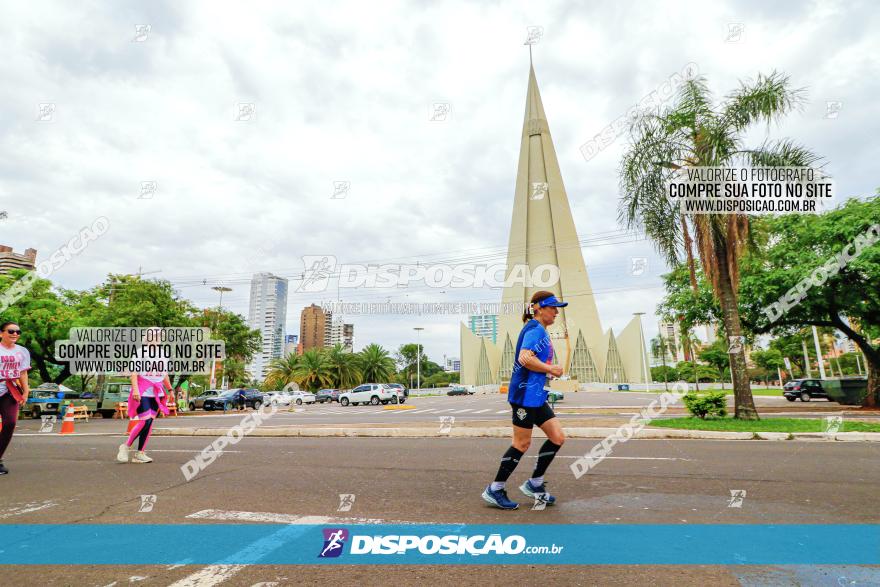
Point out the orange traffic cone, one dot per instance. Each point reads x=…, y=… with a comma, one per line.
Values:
x=67, y=424
x=131, y=424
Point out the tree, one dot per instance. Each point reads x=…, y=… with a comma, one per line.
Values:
x=716, y=355
x=44, y=316
x=344, y=366
x=664, y=372
x=313, y=370
x=376, y=365
x=769, y=360
x=694, y=134
x=839, y=248
x=662, y=346
x=282, y=371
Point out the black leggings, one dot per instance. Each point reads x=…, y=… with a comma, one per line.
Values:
x=9, y=413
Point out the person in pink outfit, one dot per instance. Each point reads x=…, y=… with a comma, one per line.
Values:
x=146, y=399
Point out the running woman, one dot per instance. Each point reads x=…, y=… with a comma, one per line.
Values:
x=145, y=400
x=15, y=362
x=528, y=400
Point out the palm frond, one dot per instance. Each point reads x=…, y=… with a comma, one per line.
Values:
x=767, y=98
x=783, y=153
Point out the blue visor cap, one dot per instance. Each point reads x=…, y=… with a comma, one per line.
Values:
x=552, y=301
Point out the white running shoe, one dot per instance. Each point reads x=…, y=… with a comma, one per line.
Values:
x=123, y=454
x=141, y=457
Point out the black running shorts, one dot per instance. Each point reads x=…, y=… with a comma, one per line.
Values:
x=528, y=417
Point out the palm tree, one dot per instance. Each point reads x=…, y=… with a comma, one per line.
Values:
x=693, y=133
x=375, y=364
x=282, y=371
x=344, y=366
x=313, y=370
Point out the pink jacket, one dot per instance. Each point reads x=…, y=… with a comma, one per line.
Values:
x=144, y=384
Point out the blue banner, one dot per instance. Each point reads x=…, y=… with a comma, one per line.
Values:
x=421, y=544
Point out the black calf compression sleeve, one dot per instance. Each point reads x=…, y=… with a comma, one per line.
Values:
x=545, y=457
x=508, y=463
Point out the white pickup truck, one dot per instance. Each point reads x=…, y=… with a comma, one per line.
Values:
x=371, y=393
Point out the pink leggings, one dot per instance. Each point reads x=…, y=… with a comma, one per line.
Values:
x=146, y=412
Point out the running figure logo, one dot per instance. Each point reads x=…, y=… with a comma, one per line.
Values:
x=48, y=422
x=446, y=423
x=346, y=500
x=736, y=498
x=318, y=269
x=147, y=503
x=334, y=540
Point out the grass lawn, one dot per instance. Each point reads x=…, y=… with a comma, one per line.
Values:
x=765, y=425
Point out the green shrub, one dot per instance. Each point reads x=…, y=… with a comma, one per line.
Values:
x=712, y=404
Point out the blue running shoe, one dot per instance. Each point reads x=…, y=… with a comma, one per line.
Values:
x=537, y=492
x=499, y=499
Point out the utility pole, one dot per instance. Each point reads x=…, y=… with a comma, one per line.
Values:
x=418, y=330
x=642, y=351
x=818, y=353
x=806, y=358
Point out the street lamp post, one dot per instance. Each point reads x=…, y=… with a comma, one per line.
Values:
x=418, y=330
x=221, y=289
x=642, y=351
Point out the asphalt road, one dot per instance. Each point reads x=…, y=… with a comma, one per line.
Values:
x=429, y=409
x=74, y=479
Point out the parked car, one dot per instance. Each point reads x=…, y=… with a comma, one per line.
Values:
x=232, y=398
x=42, y=402
x=301, y=397
x=459, y=390
x=277, y=398
x=806, y=389
x=199, y=400
x=371, y=393
x=554, y=395
x=327, y=395
x=400, y=387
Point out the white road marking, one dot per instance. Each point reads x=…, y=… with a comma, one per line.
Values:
x=501, y=412
x=481, y=411
x=190, y=451
x=211, y=575
x=620, y=458
x=274, y=518
x=27, y=508
x=461, y=411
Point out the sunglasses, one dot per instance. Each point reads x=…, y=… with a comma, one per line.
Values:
x=14, y=331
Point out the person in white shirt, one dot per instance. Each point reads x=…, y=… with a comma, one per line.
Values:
x=15, y=362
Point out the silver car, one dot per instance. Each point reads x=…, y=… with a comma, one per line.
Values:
x=199, y=400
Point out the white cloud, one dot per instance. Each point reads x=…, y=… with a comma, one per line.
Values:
x=343, y=92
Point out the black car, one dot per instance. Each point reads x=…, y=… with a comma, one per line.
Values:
x=399, y=387
x=459, y=390
x=232, y=399
x=806, y=389
x=327, y=395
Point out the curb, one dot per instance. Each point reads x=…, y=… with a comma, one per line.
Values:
x=504, y=432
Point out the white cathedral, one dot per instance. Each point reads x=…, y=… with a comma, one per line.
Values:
x=542, y=232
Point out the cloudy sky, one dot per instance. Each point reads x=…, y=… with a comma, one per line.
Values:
x=345, y=92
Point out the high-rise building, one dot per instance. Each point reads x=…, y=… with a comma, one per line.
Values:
x=291, y=342
x=485, y=325
x=9, y=259
x=268, y=314
x=313, y=327
x=671, y=333
x=542, y=233
x=340, y=333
